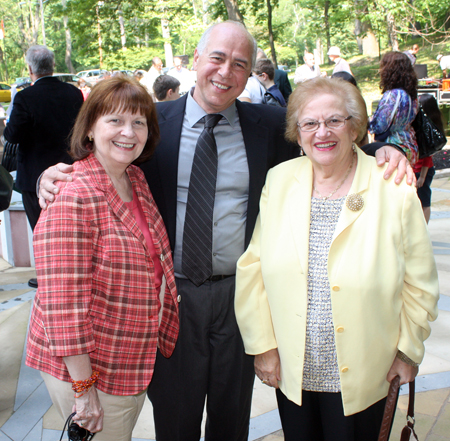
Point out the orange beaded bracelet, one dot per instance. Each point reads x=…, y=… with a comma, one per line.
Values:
x=83, y=385
x=79, y=395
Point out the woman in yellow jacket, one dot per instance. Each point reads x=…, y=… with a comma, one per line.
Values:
x=337, y=287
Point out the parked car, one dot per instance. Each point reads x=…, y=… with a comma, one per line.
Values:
x=23, y=84
x=67, y=78
x=91, y=76
x=284, y=67
x=21, y=80
x=122, y=71
x=5, y=93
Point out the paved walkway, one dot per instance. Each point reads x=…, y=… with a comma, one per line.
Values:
x=26, y=413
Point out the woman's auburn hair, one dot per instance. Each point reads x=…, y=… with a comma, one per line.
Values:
x=397, y=72
x=309, y=90
x=120, y=93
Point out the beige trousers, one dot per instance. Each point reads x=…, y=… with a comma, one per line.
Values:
x=121, y=412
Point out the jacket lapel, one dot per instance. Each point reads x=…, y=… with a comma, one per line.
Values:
x=102, y=181
x=359, y=186
x=256, y=140
x=300, y=210
x=170, y=120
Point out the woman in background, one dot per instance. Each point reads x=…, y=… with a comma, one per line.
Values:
x=398, y=106
x=85, y=90
x=424, y=167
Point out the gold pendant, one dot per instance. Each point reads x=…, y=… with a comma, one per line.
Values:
x=354, y=202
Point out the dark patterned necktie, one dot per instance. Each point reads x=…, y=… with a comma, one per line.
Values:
x=197, y=236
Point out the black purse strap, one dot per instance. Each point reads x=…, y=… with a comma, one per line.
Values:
x=86, y=436
x=67, y=424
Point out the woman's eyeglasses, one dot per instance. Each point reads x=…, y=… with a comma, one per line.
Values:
x=311, y=125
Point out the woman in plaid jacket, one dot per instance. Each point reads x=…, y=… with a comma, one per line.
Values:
x=107, y=297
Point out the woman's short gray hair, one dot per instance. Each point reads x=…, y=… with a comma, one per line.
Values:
x=40, y=59
x=203, y=43
x=309, y=90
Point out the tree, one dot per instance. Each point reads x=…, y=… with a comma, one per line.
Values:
x=68, y=54
x=233, y=10
x=270, y=29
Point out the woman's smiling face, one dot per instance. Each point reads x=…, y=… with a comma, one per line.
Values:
x=325, y=146
x=119, y=138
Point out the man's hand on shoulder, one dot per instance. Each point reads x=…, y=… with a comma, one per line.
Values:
x=47, y=188
x=397, y=161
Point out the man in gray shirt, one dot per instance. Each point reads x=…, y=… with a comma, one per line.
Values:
x=209, y=358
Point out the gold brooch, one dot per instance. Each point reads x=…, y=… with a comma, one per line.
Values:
x=354, y=202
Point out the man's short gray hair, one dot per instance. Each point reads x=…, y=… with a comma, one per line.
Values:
x=203, y=43
x=41, y=60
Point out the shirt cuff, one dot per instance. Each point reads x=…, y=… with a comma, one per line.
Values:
x=38, y=183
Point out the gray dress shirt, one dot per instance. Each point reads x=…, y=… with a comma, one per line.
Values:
x=230, y=205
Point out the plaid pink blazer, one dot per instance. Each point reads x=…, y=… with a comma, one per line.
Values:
x=96, y=290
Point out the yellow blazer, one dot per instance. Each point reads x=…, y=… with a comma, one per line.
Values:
x=382, y=274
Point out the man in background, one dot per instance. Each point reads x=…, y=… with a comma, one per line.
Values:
x=308, y=70
x=444, y=62
x=154, y=72
x=340, y=64
x=40, y=122
x=183, y=75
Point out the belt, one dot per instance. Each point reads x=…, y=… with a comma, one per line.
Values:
x=220, y=277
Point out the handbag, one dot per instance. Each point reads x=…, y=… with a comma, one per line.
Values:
x=408, y=432
x=9, y=158
x=429, y=138
x=75, y=432
x=6, y=188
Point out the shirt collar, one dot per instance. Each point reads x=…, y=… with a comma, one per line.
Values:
x=194, y=113
x=40, y=78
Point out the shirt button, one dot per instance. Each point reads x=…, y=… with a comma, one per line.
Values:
x=216, y=223
x=340, y=329
x=214, y=254
x=178, y=298
x=344, y=369
x=161, y=257
x=336, y=288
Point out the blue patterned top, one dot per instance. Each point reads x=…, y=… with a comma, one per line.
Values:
x=396, y=106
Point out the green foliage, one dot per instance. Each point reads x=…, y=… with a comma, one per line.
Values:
x=286, y=55
x=131, y=59
x=298, y=25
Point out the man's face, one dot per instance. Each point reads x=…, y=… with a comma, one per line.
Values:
x=309, y=60
x=223, y=68
x=158, y=65
x=177, y=63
